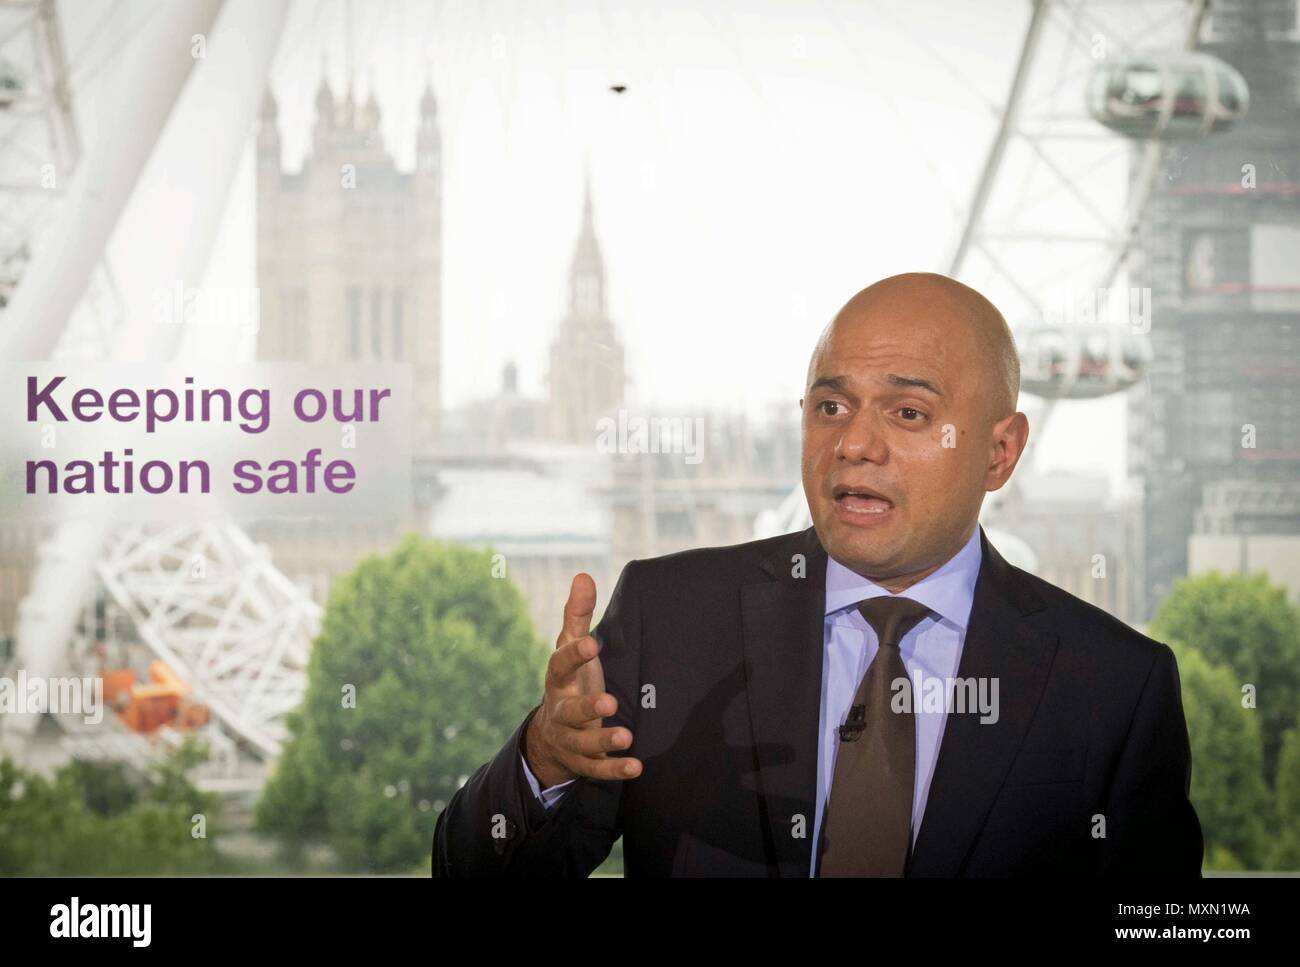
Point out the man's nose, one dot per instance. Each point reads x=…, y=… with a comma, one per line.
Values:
x=863, y=439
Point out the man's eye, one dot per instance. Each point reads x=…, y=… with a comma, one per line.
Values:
x=825, y=403
x=911, y=409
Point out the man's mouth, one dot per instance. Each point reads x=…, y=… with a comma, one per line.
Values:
x=861, y=500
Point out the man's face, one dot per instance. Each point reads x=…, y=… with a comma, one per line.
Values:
x=896, y=381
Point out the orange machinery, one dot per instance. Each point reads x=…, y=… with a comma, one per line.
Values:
x=145, y=707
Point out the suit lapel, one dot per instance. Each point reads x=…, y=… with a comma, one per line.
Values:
x=782, y=622
x=974, y=758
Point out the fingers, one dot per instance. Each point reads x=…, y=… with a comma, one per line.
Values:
x=579, y=711
x=592, y=742
x=578, y=609
x=621, y=767
x=584, y=749
x=585, y=752
x=573, y=730
x=567, y=660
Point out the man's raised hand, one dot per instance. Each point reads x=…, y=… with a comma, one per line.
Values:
x=565, y=737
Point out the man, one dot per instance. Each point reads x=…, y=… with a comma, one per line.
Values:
x=769, y=709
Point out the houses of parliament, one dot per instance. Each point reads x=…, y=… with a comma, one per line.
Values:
x=349, y=263
x=350, y=266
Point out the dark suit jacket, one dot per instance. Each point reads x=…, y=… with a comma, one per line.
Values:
x=715, y=657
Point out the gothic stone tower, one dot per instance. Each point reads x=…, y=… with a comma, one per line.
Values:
x=586, y=367
x=349, y=249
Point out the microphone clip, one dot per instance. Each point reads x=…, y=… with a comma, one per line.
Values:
x=856, y=723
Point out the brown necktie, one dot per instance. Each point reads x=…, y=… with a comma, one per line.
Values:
x=867, y=827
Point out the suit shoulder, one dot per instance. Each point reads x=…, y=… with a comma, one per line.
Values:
x=723, y=564
x=1086, y=625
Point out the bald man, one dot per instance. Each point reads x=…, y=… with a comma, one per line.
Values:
x=879, y=695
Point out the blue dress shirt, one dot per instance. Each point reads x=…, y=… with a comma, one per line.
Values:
x=931, y=649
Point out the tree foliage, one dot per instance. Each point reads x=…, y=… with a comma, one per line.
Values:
x=1246, y=624
x=1232, y=800
x=424, y=665
x=1286, y=848
x=100, y=819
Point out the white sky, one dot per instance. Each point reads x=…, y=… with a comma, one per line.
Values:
x=767, y=160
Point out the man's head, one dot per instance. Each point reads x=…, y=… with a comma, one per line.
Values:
x=910, y=397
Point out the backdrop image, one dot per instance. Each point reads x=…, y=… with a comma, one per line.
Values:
x=698, y=438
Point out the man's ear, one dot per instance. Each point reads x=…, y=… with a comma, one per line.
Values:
x=1009, y=438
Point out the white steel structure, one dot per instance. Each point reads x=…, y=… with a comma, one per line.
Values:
x=1043, y=228
x=210, y=603
x=204, y=598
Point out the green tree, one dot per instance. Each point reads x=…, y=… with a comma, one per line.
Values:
x=1246, y=624
x=1286, y=849
x=100, y=819
x=442, y=663
x=1231, y=798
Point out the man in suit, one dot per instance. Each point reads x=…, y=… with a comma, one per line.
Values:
x=771, y=708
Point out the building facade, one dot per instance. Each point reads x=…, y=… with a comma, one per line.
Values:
x=349, y=264
x=1220, y=246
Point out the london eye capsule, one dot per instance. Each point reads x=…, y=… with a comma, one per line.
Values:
x=1169, y=96
x=1080, y=362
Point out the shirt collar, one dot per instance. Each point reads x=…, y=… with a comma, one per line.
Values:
x=949, y=591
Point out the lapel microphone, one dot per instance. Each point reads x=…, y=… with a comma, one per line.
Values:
x=857, y=721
